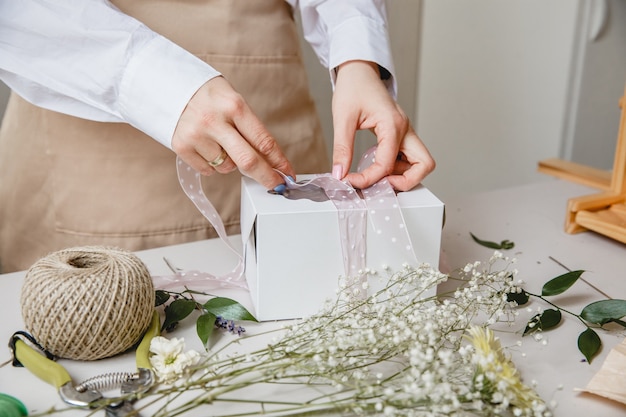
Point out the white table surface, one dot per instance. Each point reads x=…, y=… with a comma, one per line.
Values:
x=532, y=216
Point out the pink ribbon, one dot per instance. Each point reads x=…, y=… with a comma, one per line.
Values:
x=384, y=211
x=191, y=182
x=351, y=210
x=379, y=203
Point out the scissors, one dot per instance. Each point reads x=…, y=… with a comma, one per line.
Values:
x=87, y=394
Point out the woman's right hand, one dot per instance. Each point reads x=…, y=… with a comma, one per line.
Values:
x=217, y=117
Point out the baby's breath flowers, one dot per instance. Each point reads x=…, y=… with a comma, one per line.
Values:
x=394, y=351
x=397, y=352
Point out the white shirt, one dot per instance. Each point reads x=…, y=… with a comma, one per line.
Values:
x=87, y=59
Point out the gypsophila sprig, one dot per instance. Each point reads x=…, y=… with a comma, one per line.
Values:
x=398, y=351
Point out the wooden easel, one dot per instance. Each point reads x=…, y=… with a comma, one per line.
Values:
x=603, y=212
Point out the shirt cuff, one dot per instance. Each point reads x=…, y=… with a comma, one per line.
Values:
x=364, y=39
x=158, y=83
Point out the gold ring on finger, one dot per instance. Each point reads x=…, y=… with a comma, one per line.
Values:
x=220, y=159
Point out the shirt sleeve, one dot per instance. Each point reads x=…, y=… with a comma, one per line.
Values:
x=88, y=59
x=346, y=30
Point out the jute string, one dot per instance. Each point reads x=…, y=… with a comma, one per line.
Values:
x=87, y=303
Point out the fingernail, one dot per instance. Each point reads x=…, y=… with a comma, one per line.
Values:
x=280, y=189
x=337, y=171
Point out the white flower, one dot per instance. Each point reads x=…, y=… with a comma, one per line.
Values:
x=398, y=352
x=169, y=359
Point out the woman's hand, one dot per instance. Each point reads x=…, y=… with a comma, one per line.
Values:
x=217, y=118
x=361, y=101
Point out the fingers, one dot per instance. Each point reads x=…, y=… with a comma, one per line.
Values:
x=385, y=160
x=218, y=132
x=207, y=156
x=350, y=110
x=361, y=101
x=343, y=144
x=414, y=165
x=206, y=166
x=220, y=159
x=405, y=169
x=267, y=155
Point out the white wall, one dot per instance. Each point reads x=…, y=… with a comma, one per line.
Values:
x=597, y=83
x=492, y=87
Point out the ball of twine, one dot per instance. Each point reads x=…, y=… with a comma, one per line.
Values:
x=87, y=303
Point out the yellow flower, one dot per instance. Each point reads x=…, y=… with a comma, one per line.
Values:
x=501, y=380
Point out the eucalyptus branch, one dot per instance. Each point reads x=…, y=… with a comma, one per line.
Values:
x=596, y=314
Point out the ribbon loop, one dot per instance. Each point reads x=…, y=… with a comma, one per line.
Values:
x=379, y=203
x=191, y=182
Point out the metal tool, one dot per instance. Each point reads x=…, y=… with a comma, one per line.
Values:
x=87, y=394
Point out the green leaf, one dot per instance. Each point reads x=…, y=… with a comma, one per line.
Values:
x=205, y=326
x=520, y=298
x=228, y=309
x=505, y=244
x=546, y=320
x=602, y=312
x=561, y=283
x=550, y=318
x=532, y=325
x=176, y=311
x=589, y=344
x=161, y=297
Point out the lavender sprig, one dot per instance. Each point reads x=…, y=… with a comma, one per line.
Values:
x=229, y=325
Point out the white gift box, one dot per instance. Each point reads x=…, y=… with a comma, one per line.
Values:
x=293, y=254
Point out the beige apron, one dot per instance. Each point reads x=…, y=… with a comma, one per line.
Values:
x=66, y=181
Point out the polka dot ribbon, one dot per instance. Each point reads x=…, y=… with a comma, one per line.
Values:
x=385, y=213
x=379, y=204
x=191, y=182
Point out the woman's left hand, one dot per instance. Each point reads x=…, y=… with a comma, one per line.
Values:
x=361, y=101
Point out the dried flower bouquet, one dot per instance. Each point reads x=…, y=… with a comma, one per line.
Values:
x=397, y=352
x=394, y=353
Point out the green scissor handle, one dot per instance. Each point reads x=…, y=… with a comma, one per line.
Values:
x=142, y=354
x=44, y=368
